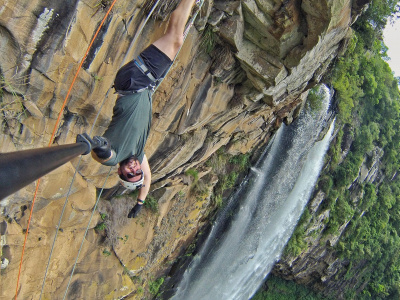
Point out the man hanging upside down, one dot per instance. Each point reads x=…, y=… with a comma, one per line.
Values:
x=124, y=140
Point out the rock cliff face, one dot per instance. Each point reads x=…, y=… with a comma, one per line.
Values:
x=319, y=266
x=245, y=67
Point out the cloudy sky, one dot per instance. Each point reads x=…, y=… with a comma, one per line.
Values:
x=392, y=40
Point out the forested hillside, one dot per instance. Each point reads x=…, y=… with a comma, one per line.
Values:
x=368, y=108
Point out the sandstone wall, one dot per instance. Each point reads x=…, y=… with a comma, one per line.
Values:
x=263, y=58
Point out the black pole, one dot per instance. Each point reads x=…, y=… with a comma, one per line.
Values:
x=18, y=169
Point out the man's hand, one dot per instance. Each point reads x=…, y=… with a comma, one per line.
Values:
x=85, y=138
x=102, y=147
x=135, y=210
x=99, y=145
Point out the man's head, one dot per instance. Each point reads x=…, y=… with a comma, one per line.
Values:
x=130, y=173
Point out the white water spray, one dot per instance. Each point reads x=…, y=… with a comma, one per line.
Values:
x=252, y=231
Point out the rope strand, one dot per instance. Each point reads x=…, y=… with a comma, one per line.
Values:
x=76, y=168
x=87, y=229
x=185, y=34
x=190, y=23
x=52, y=138
x=26, y=236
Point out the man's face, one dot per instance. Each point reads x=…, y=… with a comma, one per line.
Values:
x=131, y=170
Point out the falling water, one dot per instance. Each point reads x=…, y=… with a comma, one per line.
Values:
x=252, y=231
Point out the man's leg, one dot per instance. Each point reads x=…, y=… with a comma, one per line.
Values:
x=172, y=40
x=130, y=78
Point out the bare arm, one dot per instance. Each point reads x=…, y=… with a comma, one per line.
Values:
x=144, y=190
x=100, y=160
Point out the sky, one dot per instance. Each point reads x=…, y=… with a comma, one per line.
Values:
x=391, y=37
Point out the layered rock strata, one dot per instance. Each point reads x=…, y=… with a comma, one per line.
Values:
x=244, y=69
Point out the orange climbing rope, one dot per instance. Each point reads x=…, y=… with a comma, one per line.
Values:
x=190, y=24
x=101, y=191
x=53, y=134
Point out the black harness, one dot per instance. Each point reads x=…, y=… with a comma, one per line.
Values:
x=145, y=70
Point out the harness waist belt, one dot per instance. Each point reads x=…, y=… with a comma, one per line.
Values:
x=140, y=64
x=145, y=70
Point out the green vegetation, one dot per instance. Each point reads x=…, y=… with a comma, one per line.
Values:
x=97, y=78
x=124, y=239
x=140, y=291
x=101, y=226
x=369, y=107
x=279, y=289
x=218, y=201
x=297, y=243
x=193, y=173
x=208, y=39
x=127, y=272
x=314, y=99
x=198, y=188
x=151, y=203
x=369, y=121
x=10, y=101
x=190, y=249
x=227, y=168
x=240, y=161
x=154, y=286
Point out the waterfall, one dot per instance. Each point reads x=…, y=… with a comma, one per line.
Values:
x=250, y=234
